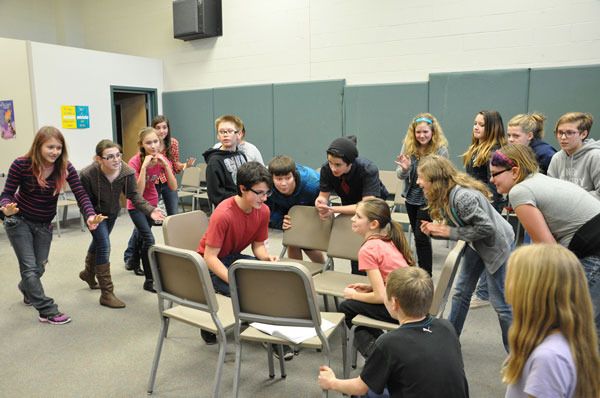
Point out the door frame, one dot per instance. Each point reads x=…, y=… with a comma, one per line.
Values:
x=151, y=102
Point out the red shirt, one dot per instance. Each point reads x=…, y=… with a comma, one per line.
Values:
x=233, y=230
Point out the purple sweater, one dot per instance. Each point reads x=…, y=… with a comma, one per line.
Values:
x=35, y=203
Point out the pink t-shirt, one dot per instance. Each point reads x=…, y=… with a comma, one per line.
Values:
x=152, y=174
x=381, y=255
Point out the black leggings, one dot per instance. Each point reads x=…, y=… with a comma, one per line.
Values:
x=422, y=241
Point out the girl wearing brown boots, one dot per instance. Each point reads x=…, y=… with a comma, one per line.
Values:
x=104, y=181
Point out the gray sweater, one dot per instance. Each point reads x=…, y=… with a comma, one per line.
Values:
x=475, y=221
x=105, y=195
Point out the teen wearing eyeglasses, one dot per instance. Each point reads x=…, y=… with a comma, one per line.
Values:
x=104, y=180
x=237, y=222
x=223, y=163
x=579, y=159
x=551, y=210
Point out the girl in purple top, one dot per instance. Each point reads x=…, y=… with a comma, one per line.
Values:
x=28, y=205
x=553, y=342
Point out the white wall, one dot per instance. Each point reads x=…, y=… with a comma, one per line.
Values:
x=15, y=85
x=73, y=76
x=380, y=41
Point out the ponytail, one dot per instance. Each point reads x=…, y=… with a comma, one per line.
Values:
x=395, y=233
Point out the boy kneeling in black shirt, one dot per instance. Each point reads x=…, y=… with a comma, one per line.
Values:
x=422, y=358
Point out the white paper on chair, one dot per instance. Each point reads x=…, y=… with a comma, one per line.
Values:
x=295, y=334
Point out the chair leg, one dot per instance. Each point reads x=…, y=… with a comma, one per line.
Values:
x=352, y=352
x=326, y=302
x=345, y=370
x=336, y=301
x=58, y=225
x=238, y=365
x=81, y=223
x=281, y=361
x=270, y=361
x=222, y=339
x=157, y=352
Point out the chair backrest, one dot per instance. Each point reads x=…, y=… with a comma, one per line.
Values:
x=343, y=242
x=308, y=230
x=191, y=177
x=202, y=167
x=444, y=284
x=184, y=230
x=399, y=200
x=182, y=276
x=279, y=293
x=390, y=180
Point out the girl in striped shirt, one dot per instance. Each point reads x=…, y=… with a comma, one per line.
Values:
x=28, y=205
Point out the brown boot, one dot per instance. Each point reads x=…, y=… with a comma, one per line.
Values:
x=87, y=275
x=107, y=297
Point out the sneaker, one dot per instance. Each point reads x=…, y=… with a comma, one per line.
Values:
x=288, y=352
x=208, y=337
x=477, y=302
x=57, y=319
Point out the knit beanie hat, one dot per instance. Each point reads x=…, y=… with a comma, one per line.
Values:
x=343, y=148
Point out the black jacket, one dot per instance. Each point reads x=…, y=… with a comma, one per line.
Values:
x=221, y=173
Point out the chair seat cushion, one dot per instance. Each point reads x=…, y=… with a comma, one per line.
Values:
x=203, y=319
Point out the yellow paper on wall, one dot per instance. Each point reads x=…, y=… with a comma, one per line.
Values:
x=69, y=121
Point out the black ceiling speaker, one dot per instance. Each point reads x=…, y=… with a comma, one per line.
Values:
x=197, y=19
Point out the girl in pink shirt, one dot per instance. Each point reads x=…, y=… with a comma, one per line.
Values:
x=384, y=249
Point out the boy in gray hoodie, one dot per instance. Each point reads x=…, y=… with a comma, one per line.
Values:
x=579, y=159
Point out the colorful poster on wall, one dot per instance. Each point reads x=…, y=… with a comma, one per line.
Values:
x=75, y=116
x=83, y=116
x=7, y=120
x=67, y=113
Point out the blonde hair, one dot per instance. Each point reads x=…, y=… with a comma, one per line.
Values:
x=548, y=291
x=239, y=124
x=443, y=176
x=480, y=150
x=584, y=121
x=438, y=140
x=516, y=155
x=376, y=209
x=529, y=123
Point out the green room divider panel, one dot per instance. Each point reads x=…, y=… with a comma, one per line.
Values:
x=307, y=117
x=190, y=115
x=455, y=99
x=254, y=105
x=555, y=91
x=379, y=115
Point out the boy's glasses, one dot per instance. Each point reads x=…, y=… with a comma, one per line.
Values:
x=112, y=156
x=262, y=193
x=567, y=134
x=227, y=132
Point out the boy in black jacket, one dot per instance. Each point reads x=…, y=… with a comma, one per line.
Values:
x=223, y=163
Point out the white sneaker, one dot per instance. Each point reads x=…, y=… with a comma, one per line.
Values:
x=476, y=302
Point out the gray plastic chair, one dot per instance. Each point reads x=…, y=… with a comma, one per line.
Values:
x=181, y=277
x=184, y=230
x=309, y=232
x=277, y=293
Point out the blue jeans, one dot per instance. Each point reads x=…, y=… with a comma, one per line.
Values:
x=101, y=240
x=482, y=290
x=219, y=284
x=169, y=197
x=591, y=268
x=472, y=267
x=31, y=243
x=144, y=225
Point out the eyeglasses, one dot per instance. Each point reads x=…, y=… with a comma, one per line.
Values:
x=567, y=134
x=496, y=174
x=113, y=156
x=262, y=193
x=227, y=132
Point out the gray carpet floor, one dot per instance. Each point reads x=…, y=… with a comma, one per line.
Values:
x=107, y=352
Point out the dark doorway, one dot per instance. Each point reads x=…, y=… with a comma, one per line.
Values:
x=133, y=109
